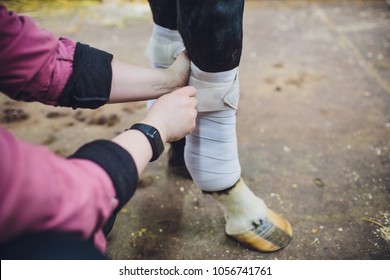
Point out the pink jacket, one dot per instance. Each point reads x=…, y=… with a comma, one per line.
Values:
x=38, y=189
x=34, y=65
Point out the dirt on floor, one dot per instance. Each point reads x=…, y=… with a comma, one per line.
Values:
x=313, y=130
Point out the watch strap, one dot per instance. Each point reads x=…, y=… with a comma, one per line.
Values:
x=153, y=137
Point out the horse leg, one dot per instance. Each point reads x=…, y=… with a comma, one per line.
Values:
x=212, y=35
x=163, y=48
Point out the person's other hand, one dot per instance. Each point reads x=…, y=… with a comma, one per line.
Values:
x=173, y=114
x=180, y=70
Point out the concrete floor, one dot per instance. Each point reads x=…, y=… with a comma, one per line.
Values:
x=313, y=131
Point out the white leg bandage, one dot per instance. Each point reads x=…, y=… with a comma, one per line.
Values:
x=211, y=153
x=215, y=91
x=164, y=46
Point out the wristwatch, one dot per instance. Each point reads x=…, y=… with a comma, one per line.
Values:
x=153, y=136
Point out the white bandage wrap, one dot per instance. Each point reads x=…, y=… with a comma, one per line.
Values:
x=211, y=152
x=216, y=93
x=164, y=46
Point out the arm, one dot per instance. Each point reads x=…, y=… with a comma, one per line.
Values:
x=181, y=118
x=40, y=190
x=33, y=64
x=62, y=72
x=134, y=83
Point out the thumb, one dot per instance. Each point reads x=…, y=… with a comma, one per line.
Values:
x=190, y=91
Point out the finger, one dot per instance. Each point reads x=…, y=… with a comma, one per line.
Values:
x=184, y=54
x=194, y=101
x=188, y=91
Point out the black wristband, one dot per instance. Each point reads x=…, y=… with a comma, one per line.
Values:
x=153, y=136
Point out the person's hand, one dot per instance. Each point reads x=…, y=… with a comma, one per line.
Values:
x=173, y=114
x=180, y=70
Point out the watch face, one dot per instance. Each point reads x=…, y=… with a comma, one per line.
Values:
x=153, y=133
x=154, y=138
x=158, y=146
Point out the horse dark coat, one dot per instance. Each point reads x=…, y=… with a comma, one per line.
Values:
x=211, y=30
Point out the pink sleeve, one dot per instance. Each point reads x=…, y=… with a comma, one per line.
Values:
x=40, y=190
x=34, y=64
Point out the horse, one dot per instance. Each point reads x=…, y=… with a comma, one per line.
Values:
x=211, y=32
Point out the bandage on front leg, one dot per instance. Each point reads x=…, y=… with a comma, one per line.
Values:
x=215, y=91
x=211, y=152
x=164, y=46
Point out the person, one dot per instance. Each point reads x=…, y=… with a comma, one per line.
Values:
x=56, y=208
x=212, y=32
